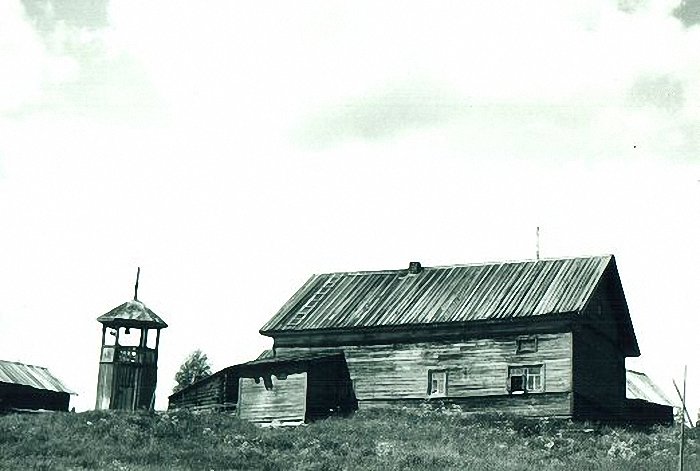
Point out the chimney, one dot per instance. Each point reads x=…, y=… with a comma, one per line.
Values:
x=414, y=267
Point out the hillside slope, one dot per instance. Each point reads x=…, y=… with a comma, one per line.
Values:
x=387, y=440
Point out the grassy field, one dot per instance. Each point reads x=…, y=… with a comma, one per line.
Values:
x=386, y=440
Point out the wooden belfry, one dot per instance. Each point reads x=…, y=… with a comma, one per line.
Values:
x=129, y=356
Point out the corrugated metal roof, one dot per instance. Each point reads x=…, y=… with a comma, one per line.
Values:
x=639, y=386
x=29, y=375
x=132, y=313
x=459, y=293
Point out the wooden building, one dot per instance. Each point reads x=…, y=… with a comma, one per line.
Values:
x=129, y=356
x=537, y=338
x=646, y=402
x=29, y=387
x=291, y=390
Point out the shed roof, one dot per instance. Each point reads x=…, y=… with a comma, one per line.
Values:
x=268, y=357
x=639, y=386
x=449, y=294
x=36, y=377
x=132, y=313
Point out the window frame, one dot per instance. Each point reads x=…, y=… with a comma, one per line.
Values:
x=434, y=373
x=526, y=378
x=526, y=338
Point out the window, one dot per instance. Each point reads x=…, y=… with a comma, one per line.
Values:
x=526, y=345
x=523, y=379
x=437, y=383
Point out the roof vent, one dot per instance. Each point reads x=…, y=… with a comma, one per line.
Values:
x=414, y=267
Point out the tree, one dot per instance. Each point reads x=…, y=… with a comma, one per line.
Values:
x=195, y=367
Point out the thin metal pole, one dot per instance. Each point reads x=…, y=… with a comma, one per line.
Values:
x=680, y=396
x=682, y=446
x=538, y=242
x=136, y=287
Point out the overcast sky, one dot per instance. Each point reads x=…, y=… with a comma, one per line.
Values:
x=232, y=149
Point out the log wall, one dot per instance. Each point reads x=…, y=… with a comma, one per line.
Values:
x=475, y=368
x=17, y=396
x=218, y=390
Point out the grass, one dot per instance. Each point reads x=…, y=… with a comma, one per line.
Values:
x=386, y=440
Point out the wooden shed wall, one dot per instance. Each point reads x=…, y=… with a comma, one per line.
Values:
x=220, y=389
x=285, y=401
x=384, y=374
x=17, y=396
x=646, y=413
x=599, y=377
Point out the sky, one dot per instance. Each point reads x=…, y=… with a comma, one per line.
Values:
x=232, y=149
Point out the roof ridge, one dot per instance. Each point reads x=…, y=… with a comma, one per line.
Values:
x=463, y=265
x=24, y=364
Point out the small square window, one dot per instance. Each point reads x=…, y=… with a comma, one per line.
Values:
x=526, y=345
x=437, y=383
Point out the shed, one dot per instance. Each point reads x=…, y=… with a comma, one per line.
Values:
x=288, y=389
x=294, y=388
x=646, y=402
x=31, y=387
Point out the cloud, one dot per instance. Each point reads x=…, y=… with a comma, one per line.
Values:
x=631, y=6
x=25, y=63
x=661, y=91
x=73, y=68
x=75, y=13
x=688, y=12
x=383, y=114
x=574, y=80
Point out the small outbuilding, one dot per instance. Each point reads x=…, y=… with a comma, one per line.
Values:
x=646, y=402
x=31, y=387
x=290, y=390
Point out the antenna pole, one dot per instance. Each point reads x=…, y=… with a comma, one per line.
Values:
x=538, y=242
x=136, y=287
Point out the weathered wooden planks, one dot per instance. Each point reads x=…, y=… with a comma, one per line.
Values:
x=475, y=368
x=207, y=392
x=530, y=405
x=20, y=396
x=281, y=400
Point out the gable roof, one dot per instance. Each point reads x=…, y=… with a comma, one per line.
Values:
x=37, y=377
x=132, y=313
x=450, y=294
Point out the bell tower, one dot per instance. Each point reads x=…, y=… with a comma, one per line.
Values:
x=129, y=356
